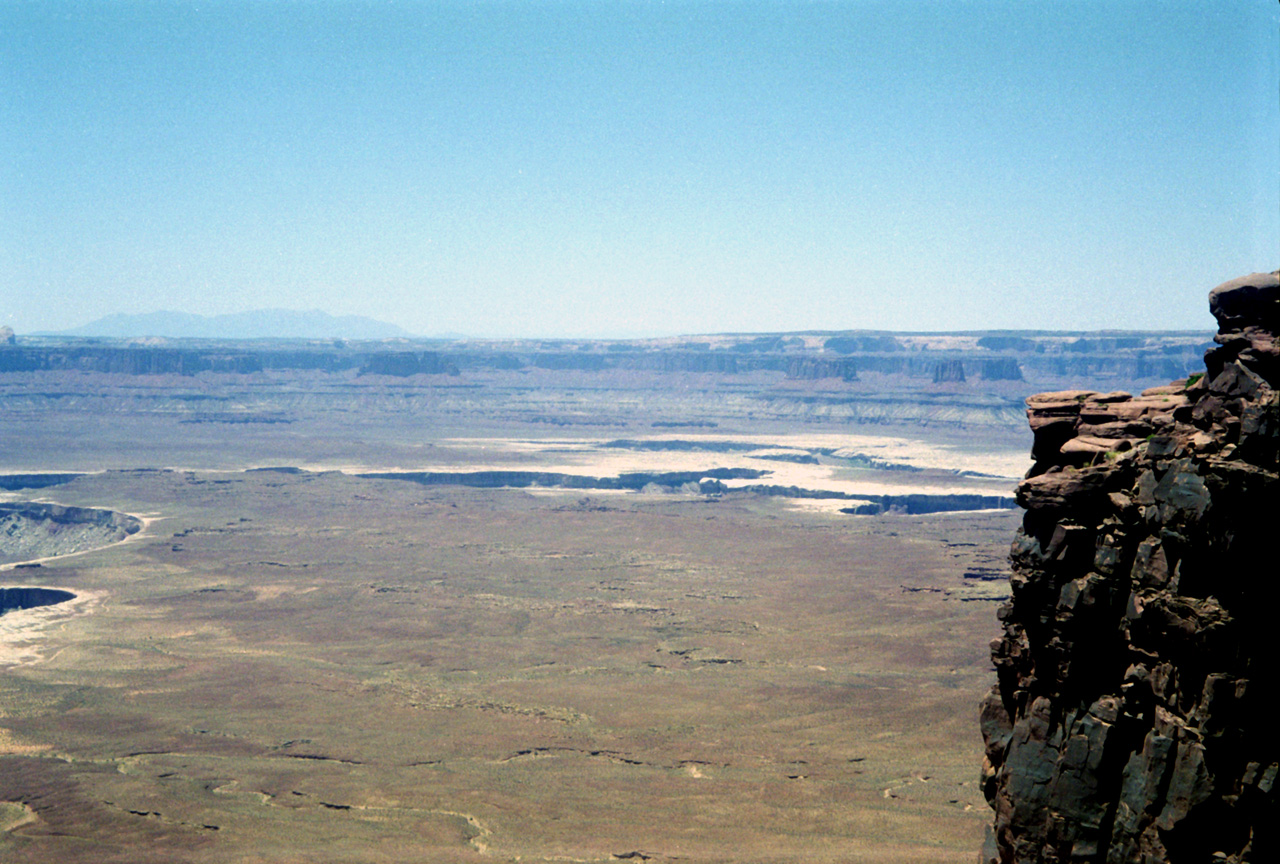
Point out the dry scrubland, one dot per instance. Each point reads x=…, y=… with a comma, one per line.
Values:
x=316, y=667
x=322, y=668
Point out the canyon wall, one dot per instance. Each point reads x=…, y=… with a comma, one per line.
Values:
x=1129, y=721
x=34, y=530
x=13, y=599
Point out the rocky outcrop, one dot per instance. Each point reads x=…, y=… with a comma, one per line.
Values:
x=1129, y=721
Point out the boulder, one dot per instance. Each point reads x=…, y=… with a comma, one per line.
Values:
x=1247, y=300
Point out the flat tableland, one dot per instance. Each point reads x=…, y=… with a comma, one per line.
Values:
x=306, y=665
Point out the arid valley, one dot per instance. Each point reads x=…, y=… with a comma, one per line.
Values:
x=725, y=599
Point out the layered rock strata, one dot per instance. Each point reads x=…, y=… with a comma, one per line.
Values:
x=1129, y=721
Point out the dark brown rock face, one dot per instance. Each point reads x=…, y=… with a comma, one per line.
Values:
x=1129, y=724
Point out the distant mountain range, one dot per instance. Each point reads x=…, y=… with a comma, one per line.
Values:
x=258, y=324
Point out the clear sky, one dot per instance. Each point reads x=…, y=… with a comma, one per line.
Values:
x=618, y=169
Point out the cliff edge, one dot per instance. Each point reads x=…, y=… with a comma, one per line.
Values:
x=1129, y=722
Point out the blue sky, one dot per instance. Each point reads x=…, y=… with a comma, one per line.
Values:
x=619, y=169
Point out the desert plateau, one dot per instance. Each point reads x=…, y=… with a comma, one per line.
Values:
x=723, y=599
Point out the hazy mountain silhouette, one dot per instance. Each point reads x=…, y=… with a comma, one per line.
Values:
x=258, y=324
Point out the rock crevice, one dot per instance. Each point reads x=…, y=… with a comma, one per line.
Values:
x=1130, y=721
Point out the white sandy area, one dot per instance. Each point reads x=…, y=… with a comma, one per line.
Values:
x=22, y=631
x=827, y=483
x=589, y=457
x=548, y=491
x=1003, y=462
x=817, y=477
x=820, y=505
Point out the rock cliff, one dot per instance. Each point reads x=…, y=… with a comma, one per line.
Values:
x=810, y=368
x=948, y=370
x=12, y=599
x=34, y=530
x=1129, y=721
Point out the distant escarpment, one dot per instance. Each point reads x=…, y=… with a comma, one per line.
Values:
x=811, y=368
x=937, y=379
x=948, y=370
x=1130, y=721
x=951, y=358
x=1001, y=369
x=148, y=360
